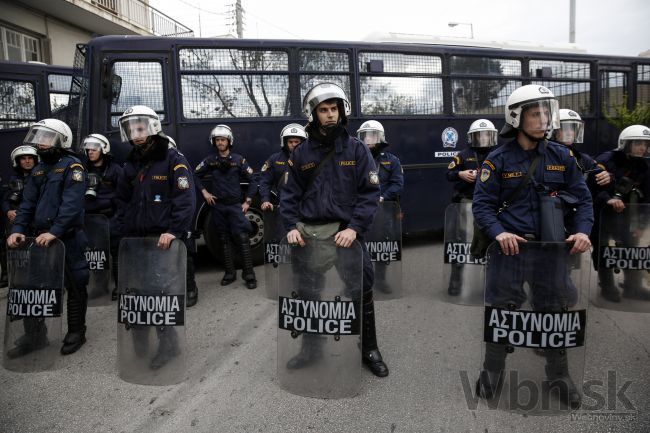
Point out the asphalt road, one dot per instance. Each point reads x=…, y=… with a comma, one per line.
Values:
x=231, y=384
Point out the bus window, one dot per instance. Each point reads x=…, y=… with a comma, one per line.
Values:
x=643, y=85
x=576, y=95
x=613, y=90
x=574, y=90
x=229, y=83
x=322, y=66
x=142, y=84
x=17, y=104
x=383, y=94
x=560, y=69
x=59, y=89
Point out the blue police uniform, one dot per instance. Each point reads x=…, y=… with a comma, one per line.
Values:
x=500, y=175
x=391, y=176
x=227, y=175
x=466, y=159
x=271, y=174
x=52, y=203
x=6, y=205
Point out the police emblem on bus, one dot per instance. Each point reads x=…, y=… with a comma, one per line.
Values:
x=449, y=137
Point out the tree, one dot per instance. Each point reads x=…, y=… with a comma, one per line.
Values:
x=476, y=96
x=623, y=117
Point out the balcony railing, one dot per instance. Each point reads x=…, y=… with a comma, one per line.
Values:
x=140, y=14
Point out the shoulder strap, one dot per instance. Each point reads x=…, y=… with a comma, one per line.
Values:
x=522, y=184
x=319, y=168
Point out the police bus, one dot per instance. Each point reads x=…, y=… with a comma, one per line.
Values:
x=29, y=92
x=425, y=95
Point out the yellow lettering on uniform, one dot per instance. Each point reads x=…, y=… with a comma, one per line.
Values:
x=59, y=170
x=38, y=173
x=511, y=174
x=385, y=163
x=307, y=166
x=279, y=162
x=158, y=177
x=556, y=168
x=347, y=163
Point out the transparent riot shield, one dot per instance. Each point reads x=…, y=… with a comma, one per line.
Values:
x=273, y=233
x=151, y=312
x=463, y=274
x=534, y=330
x=319, y=320
x=98, y=256
x=384, y=244
x=624, y=259
x=34, y=306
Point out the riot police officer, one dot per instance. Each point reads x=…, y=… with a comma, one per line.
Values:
x=23, y=160
x=228, y=171
x=509, y=218
x=345, y=192
x=156, y=196
x=629, y=165
x=462, y=171
x=51, y=206
x=103, y=175
x=275, y=166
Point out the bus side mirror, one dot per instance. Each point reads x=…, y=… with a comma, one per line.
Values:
x=111, y=86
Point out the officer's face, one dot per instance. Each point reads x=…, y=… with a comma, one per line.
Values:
x=536, y=120
x=26, y=162
x=566, y=136
x=639, y=148
x=221, y=143
x=292, y=143
x=138, y=132
x=327, y=113
x=93, y=154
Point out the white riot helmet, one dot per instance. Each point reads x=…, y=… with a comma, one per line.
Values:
x=172, y=143
x=49, y=132
x=525, y=98
x=223, y=131
x=371, y=132
x=633, y=134
x=139, y=121
x=22, y=151
x=482, y=134
x=97, y=142
x=572, y=128
x=323, y=92
x=292, y=130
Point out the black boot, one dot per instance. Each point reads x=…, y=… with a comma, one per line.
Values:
x=557, y=372
x=248, y=274
x=371, y=356
x=491, y=377
x=190, y=283
x=455, y=280
x=607, y=288
x=35, y=338
x=311, y=352
x=228, y=261
x=76, y=337
x=633, y=287
x=167, y=347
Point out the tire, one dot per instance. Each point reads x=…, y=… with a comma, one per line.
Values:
x=213, y=242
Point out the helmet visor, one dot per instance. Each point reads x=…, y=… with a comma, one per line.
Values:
x=570, y=132
x=92, y=143
x=540, y=116
x=137, y=127
x=39, y=135
x=637, y=148
x=371, y=137
x=482, y=139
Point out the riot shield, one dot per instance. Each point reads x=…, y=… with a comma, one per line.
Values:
x=151, y=312
x=534, y=330
x=274, y=232
x=463, y=274
x=98, y=256
x=384, y=244
x=319, y=320
x=624, y=259
x=34, y=306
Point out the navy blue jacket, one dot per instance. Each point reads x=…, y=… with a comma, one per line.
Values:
x=346, y=190
x=156, y=195
x=6, y=205
x=621, y=166
x=227, y=175
x=53, y=198
x=105, y=201
x=271, y=174
x=466, y=159
x=391, y=176
x=501, y=173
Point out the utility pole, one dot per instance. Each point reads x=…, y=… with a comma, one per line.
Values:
x=237, y=18
x=572, y=21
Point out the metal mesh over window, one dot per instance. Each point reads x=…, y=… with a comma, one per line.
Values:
x=401, y=95
x=142, y=84
x=59, y=83
x=321, y=60
x=613, y=87
x=573, y=95
x=559, y=69
x=484, y=66
x=643, y=93
x=481, y=96
x=218, y=96
x=218, y=59
x=401, y=63
x=17, y=104
x=643, y=72
x=309, y=81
